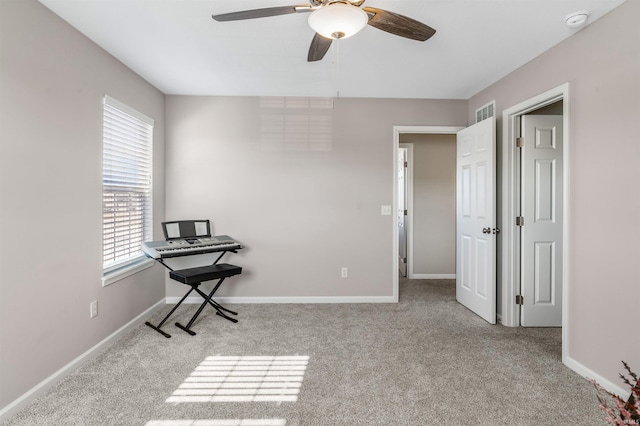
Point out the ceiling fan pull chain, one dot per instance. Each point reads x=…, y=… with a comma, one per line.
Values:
x=336, y=68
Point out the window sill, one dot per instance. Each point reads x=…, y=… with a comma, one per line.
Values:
x=126, y=271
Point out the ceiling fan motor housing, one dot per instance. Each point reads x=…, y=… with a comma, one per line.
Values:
x=317, y=3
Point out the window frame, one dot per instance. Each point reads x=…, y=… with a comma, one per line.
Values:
x=135, y=262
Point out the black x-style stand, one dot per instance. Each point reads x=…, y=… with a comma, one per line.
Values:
x=194, y=277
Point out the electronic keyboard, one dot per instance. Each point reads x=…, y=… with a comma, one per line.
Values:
x=189, y=246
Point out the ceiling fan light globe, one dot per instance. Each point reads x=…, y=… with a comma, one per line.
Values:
x=338, y=20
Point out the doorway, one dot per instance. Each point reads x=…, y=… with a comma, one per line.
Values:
x=510, y=272
x=397, y=132
x=540, y=231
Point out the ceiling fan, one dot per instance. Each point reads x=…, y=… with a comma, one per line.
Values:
x=337, y=19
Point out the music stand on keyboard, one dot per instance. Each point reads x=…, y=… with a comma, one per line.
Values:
x=186, y=229
x=192, y=231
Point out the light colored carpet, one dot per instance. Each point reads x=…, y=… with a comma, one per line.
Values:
x=424, y=361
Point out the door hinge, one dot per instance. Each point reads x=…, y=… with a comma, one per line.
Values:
x=406, y=164
x=519, y=142
x=406, y=212
x=519, y=299
x=519, y=220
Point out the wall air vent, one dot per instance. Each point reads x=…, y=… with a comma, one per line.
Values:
x=486, y=111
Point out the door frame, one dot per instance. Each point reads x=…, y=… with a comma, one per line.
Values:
x=510, y=270
x=397, y=131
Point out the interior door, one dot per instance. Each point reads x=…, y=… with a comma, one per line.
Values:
x=402, y=208
x=476, y=219
x=542, y=209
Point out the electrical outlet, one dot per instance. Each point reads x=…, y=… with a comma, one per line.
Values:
x=344, y=272
x=93, y=308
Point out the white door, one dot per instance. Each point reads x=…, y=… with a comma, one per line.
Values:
x=402, y=208
x=541, y=233
x=476, y=219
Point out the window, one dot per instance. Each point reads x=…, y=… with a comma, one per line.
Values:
x=126, y=190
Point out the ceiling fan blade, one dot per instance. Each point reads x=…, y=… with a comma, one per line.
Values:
x=261, y=13
x=398, y=25
x=318, y=48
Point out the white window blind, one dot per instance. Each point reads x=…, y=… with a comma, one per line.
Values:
x=126, y=184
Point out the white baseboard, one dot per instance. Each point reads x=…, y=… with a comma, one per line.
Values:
x=62, y=373
x=256, y=300
x=433, y=276
x=592, y=375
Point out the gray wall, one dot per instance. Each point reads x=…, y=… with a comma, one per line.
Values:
x=434, y=204
x=602, y=65
x=52, y=82
x=302, y=213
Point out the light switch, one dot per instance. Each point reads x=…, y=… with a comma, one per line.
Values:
x=385, y=211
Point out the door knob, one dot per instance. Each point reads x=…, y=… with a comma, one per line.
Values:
x=486, y=230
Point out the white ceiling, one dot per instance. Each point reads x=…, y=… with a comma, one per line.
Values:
x=180, y=49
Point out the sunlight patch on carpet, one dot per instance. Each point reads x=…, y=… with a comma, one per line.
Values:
x=243, y=379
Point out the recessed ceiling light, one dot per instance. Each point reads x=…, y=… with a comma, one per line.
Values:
x=577, y=19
